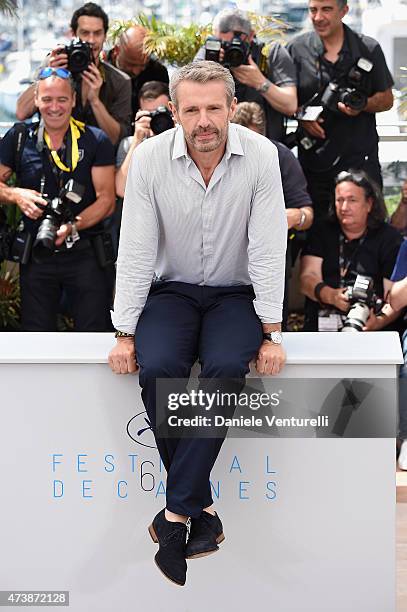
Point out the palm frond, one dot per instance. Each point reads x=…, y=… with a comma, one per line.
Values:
x=178, y=45
x=8, y=7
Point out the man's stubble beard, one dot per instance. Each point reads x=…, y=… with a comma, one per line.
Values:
x=210, y=146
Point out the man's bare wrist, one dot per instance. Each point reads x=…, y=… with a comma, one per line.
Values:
x=326, y=295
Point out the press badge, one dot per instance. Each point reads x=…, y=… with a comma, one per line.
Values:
x=329, y=321
x=311, y=113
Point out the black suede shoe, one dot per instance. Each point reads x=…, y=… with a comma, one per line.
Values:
x=171, y=537
x=205, y=535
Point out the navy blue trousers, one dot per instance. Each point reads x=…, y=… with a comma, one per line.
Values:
x=181, y=323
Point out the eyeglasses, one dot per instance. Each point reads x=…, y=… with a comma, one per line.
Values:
x=62, y=73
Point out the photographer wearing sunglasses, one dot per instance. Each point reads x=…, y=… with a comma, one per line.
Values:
x=65, y=177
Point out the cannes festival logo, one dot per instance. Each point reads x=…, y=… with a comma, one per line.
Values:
x=140, y=431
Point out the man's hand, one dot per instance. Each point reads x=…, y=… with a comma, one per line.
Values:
x=28, y=200
x=314, y=128
x=92, y=81
x=58, y=58
x=63, y=233
x=122, y=357
x=270, y=359
x=293, y=216
x=249, y=74
x=335, y=297
x=347, y=110
x=375, y=323
x=142, y=128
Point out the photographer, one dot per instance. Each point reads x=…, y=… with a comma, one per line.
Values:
x=129, y=56
x=271, y=81
x=356, y=240
x=297, y=201
x=342, y=80
x=154, y=100
x=59, y=150
x=103, y=93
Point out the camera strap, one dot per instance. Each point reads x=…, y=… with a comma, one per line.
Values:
x=75, y=128
x=345, y=262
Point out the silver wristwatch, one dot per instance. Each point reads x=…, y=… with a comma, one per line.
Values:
x=264, y=87
x=275, y=337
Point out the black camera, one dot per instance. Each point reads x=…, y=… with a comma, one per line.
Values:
x=56, y=213
x=351, y=89
x=362, y=298
x=236, y=51
x=79, y=56
x=161, y=120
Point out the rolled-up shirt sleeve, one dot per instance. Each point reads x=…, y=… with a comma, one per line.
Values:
x=138, y=246
x=267, y=233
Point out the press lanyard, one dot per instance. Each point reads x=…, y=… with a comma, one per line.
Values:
x=75, y=131
x=344, y=264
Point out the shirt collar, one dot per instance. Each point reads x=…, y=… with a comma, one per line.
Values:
x=233, y=144
x=319, y=47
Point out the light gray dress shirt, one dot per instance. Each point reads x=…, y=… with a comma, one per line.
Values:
x=175, y=228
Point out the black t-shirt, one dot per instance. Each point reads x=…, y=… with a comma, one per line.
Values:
x=279, y=70
x=95, y=149
x=374, y=256
x=350, y=138
x=154, y=71
x=292, y=178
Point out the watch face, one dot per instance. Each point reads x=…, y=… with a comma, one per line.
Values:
x=276, y=337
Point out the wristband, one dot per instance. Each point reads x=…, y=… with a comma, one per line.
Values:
x=317, y=292
x=121, y=334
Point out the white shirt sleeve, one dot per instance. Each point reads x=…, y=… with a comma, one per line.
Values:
x=268, y=239
x=138, y=247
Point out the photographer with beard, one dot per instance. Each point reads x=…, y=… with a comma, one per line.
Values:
x=103, y=93
x=342, y=80
x=270, y=81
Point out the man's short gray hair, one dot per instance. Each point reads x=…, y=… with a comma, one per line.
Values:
x=232, y=20
x=341, y=4
x=202, y=72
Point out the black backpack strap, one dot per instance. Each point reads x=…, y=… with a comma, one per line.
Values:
x=20, y=136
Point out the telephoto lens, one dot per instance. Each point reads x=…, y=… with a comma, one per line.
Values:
x=44, y=244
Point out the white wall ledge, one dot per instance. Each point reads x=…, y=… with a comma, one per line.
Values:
x=302, y=348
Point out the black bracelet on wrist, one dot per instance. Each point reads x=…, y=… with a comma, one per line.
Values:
x=120, y=334
x=317, y=292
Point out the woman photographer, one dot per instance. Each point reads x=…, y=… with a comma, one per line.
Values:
x=354, y=240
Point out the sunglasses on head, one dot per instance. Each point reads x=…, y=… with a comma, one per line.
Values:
x=62, y=73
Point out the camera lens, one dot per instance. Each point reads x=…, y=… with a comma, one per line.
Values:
x=45, y=241
x=161, y=120
x=357, y=317
x=354, y=99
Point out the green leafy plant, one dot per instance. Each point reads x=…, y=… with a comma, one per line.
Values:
x=178, y=45
x=9, y=298
x=8, y=7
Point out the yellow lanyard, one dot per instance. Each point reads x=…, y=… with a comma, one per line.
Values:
x=76, y=128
